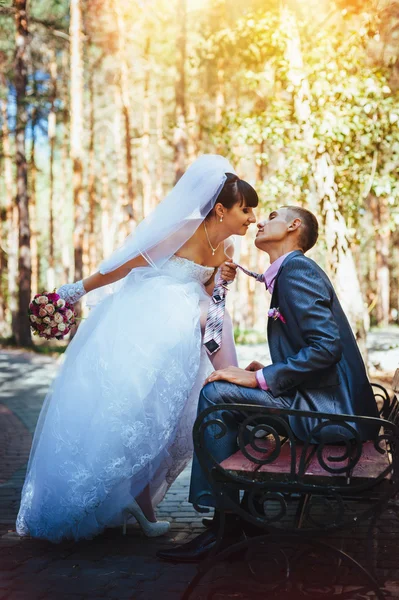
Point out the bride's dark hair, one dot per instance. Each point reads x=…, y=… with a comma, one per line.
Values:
x=234, y=191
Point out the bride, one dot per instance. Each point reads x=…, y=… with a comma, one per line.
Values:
x=115, y=428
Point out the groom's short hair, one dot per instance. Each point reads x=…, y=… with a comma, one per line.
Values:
x=310, y=230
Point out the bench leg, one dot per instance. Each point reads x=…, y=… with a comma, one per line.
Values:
x=301, y=510
x=274, y=539
x=371, y=554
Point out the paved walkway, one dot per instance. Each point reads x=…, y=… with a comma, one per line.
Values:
x=110, y=566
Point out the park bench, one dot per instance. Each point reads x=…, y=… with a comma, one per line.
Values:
x=309, y=495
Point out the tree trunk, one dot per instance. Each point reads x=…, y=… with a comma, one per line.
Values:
x=76, y=112
x=9, y=237
x=146, y=176
x=159, y=191
x=124, y=85
x=120, y=219
x=381, y=217
x=340, y=263
x=192, y=132
x=220, y=97
x=3, y=255
x=33, y=207
x=76, y=104
x=106, y=232
x=65, y=232
x=51, y=135
x=22, y=329
x=180, y=133
x=92, y=247
x=394, y=275
x=259, y=166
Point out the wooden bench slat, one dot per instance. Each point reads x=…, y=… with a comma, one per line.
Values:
x=283, y=462
x=370, y=464
x=316, y=469
x=239, y=462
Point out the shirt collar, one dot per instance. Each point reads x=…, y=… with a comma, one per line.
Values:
x=271, y=273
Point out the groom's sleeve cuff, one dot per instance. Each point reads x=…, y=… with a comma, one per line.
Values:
x=260, y=378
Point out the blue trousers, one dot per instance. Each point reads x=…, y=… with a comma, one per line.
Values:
x=222, y=392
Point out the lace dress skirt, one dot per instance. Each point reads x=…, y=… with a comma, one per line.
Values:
x=119, y=414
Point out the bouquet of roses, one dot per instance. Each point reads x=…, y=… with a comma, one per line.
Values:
x=50, y=316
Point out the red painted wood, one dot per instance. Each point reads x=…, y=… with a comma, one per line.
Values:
x=315, y=468
x=370, y=465
x=239, y=462
x=283, y=463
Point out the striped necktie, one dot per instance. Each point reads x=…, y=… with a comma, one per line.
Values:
x=214, y=320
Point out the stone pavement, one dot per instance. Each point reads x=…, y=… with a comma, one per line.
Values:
x=110, y=566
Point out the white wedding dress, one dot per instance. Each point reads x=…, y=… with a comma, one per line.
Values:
x=120, y=411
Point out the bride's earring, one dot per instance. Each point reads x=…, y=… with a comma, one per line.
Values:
x=221, y=219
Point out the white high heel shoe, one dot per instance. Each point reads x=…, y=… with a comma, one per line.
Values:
x=148, y=528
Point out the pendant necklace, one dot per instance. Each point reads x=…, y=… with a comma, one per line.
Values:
x=209, y=242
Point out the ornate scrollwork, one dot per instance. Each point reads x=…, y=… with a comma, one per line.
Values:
x=206, y=425
x=350, y=444
x=382, y=399
x=259, y=505
x=299, y=491
x=248, y=439
x=285, y=468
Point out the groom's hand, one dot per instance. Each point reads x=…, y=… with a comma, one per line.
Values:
x=234, y=375
x=254, y=366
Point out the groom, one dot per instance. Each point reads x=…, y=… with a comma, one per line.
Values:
x=316, y=366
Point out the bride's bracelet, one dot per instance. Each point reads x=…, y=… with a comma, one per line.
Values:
x=72, y=292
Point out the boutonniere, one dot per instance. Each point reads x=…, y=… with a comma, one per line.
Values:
x=274, y=313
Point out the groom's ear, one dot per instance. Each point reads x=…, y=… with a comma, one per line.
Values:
x=295, y=224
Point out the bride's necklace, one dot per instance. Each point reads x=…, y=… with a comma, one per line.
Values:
x=209, y=242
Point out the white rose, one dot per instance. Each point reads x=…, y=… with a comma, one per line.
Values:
x=43, y=312
x=58, y=318
x=69, y=313
x=53, y=323
x=33, y=318
x=43, y=300
x=50, y=309
x=47, y=331
x=61, y=327
x=46, y=320
x=61, y=303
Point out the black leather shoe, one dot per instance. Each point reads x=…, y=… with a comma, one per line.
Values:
x=198, y=548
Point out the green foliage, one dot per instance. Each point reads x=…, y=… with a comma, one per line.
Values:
x=248, y=336
x=353, y=112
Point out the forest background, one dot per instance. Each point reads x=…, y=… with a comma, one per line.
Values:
x=104, y=104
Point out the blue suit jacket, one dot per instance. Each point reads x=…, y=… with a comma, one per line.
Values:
x=316, y=360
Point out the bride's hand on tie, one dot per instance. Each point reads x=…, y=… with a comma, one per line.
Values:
x=234, y=375
x=228, y=271
x=254, y=366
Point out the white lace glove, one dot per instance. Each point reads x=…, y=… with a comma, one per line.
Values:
x=72, y=292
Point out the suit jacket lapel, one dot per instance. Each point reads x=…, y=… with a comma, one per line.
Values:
x=274, y=301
